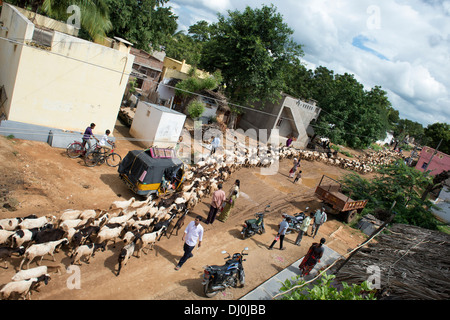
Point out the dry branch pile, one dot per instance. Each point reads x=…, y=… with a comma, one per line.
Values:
x=414, y=264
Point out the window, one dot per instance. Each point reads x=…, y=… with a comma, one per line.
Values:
x=280, y=121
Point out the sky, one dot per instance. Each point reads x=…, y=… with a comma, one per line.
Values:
x=401, y=45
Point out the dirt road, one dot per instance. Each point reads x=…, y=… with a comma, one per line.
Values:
x=38, y=179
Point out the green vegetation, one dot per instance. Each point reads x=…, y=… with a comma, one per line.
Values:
x=395, y=183
x=195, y=109
x=324, y=289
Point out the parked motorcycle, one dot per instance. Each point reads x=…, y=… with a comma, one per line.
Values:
x=252, y=226
x=296, y=221
x=218, y=278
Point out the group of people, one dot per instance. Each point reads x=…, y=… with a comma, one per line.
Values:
x=293, y=173
x=104, y=142
x=317, y=218
x=194, y=231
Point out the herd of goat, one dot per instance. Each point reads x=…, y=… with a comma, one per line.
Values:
x=137, y=225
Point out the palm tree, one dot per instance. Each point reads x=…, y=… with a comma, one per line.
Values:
x=94, y=18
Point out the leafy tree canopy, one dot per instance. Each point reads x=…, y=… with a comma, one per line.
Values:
x=145, y=23
x=94, y=14
x=250, y=48
x=438, y=133
x=397, y=183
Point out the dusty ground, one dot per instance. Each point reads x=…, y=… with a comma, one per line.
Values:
x=38, y=179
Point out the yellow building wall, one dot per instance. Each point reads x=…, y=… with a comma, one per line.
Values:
x=74, y=84
x=179, y=69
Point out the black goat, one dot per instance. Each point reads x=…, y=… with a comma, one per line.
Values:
x=49, y=235
x=6, y=252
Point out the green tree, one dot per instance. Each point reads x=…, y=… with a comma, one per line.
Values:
x=397, y=183
x=406, y=127
x=183, y=47
x=94, y=18
x=350, y=115
x=250, y=48
x=438, y=132
x=200, y=31
x=145, y=23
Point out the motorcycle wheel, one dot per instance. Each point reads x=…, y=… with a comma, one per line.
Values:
x=242, y=279
x=208, y=291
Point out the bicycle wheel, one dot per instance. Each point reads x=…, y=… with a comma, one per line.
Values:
x=92, y=158
x=74, y=150
x=113, y=160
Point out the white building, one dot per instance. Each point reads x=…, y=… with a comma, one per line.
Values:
x=155, y=125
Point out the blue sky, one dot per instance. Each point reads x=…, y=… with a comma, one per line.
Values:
x=401, y=45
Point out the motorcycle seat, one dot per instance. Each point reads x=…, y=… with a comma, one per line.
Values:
x=219, y=269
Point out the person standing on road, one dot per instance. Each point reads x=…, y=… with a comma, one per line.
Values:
x=215, y=144
x=313, y=256
x=294, y=168
x=284, y=225
x=192, y=234
x=303, y=228
x=319, y=219
x=229, y=204
x=217, y=199
x=298, y=176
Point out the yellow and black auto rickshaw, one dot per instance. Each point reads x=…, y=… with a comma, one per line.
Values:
x=152, y=172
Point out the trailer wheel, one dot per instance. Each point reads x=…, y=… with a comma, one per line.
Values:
x=350, y=216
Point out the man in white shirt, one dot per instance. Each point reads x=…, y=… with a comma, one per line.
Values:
x=284, y=225
x=192, y=234
x=215, y=144
x=105, y=143
x=319, y=219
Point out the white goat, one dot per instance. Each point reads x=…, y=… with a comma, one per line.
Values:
x=106, y=234
x=70, y=214
x=148, y=239
x=40, y=250
x=122, y=204
x=125, y=254
x=122, y=219
x=87, y=250
x=35, y=272
x=22, y=287
x=5, y=235
x=36, y=223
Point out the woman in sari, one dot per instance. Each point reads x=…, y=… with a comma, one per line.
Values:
x=313, y=256
x=229, y=203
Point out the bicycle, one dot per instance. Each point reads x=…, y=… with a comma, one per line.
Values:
x=77, y=149
x=98, y=157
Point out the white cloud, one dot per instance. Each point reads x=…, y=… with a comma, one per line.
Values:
x=405, y=47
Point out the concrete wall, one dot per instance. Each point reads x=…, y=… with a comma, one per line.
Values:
x=439, y=163
x=55, y=137
x=72, y=84
x=443, y=203
x=296, y=115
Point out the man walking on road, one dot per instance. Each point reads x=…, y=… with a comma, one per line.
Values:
x=217, y=199
x=319, y=218
x=192, y=234
x=284, y=225
x=303, y=229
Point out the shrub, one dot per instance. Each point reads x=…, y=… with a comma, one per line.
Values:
x=195, y=109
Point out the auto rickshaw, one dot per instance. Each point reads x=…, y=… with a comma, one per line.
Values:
x=152, y=172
